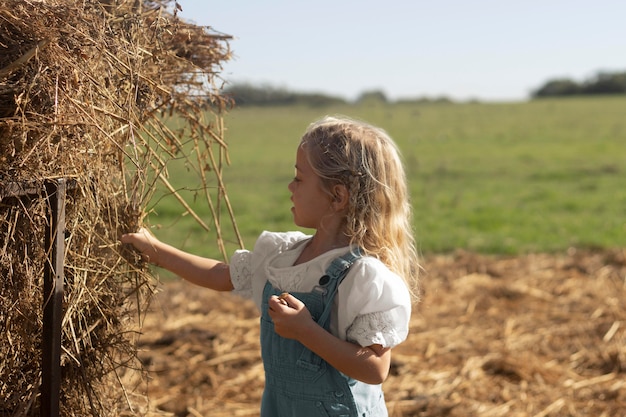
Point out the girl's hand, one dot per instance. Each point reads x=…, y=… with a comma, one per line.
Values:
x=292, y=320
x=145, y=242
x=290, y=316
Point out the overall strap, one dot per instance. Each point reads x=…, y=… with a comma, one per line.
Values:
x=339, y=266
x=335, y=273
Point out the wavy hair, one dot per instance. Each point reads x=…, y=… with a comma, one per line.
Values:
x=367, y=162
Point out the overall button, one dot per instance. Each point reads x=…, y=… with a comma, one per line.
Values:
x=338, y=394
x=324, y=280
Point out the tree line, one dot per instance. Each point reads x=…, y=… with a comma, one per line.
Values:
x=601, y=83
x=267, y=95
x=245, y=94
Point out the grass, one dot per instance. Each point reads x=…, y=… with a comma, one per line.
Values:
x=505, y=178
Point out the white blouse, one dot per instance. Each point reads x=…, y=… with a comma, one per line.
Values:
x=372, y=305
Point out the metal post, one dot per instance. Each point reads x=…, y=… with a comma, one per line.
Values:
x=53, y=299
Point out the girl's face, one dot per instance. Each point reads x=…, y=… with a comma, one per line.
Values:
x=310, y=203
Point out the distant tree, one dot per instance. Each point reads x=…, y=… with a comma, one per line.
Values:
x=602, y=83
x=250, y=95
x=267, y=95
x=374, y=96
x=318, y=99
x=606, y=83
x=558, y=87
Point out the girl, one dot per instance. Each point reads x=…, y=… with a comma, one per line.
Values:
x=333, y=304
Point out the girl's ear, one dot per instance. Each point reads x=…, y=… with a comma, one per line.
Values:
x=340, y=197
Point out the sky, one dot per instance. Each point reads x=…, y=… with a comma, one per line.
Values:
x=491, y=50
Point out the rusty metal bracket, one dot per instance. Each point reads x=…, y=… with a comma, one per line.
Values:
x=53, y=299
x=55, y=192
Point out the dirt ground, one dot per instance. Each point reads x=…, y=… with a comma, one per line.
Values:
x=539, y=335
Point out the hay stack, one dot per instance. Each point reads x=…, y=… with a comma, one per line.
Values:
x=83, y=89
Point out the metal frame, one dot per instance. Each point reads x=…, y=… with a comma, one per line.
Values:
x=55, y=192
x=53, y=299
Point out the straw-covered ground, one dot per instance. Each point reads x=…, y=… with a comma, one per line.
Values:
x=537, y=335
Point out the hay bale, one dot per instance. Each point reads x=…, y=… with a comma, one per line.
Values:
x=84, y=87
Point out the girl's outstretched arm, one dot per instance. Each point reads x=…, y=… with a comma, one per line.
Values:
x=292, y=320
x=205, y=272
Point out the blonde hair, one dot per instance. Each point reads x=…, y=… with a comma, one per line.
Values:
x=367, y=162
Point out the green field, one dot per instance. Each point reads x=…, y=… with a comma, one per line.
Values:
x=505, y=178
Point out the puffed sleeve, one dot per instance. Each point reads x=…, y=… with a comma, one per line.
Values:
x=247, y=267
x=241, y=273
x=376, y=305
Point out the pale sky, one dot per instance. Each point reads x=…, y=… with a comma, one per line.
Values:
x=493, y=50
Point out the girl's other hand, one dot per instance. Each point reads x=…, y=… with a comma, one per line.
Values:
x=290, y=316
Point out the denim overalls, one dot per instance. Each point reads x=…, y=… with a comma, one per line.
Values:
x=298, y=383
